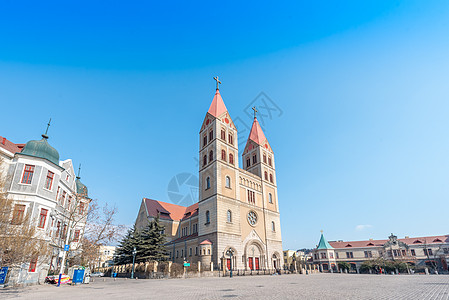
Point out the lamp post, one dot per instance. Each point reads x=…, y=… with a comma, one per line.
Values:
x=134, y=259
x=230, y=253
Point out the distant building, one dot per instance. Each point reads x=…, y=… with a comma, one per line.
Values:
x=289, y=258
x=237, y=209
x=419, y=251
x=41, y=185
x=106, y=258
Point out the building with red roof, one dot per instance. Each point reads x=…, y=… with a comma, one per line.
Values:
x=418, y=252
x=237, y=211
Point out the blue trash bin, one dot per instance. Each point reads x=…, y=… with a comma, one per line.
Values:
x=78, y=276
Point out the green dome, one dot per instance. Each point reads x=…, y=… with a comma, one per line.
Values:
x=41, y=149
x=81, y=189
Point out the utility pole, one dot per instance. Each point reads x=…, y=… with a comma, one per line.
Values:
x=64, y=253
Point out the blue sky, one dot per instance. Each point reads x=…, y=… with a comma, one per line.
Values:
x=361, y=87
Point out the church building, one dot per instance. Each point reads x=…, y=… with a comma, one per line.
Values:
x=236, y=222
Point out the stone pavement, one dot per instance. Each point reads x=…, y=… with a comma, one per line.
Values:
x=315, y=286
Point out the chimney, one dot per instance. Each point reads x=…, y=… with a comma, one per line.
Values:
x=4, y=141
x=407, y=237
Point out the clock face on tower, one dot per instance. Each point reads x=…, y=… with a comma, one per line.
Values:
x=252, y=218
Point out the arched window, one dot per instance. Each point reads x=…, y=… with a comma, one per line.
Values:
x=204, y=140
x=265, y=158
x=271, y=177
x=211, y=155
x=207, y=183
x=208, y=251
x=211, y=135
x=266, y=175
x=269, y=161
x=229, y=216
x=207, y=217
x=231, y=158
x=223, y=155
x=204, y=160
x=228, y=182
x=273, y=226
x=231, y=139
x=270, y=198
x=223, y=135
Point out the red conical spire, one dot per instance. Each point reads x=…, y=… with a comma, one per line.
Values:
x=256, y=134
x=217, y=107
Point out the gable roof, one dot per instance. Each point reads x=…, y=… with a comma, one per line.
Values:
x=377, y=243
x=10, y=146
x=169, y=211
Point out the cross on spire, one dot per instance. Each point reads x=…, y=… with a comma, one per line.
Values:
x=255, y=111
x=321, y=231
x=45, y=136
x=79, y=171
x=218, y=81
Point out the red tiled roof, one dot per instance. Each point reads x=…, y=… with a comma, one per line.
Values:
x=206, y=242
x=10, y=146
x=377, y=243
x=217, y=107
x=168, y=210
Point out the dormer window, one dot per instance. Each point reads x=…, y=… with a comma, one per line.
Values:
x=417, y=242
x=348, y=245
x=437, y=241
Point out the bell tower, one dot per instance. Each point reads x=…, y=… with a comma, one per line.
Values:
x=258, y=157
x=218, y=168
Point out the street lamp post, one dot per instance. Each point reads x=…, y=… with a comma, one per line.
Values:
x=230, y=253
x=134, y=259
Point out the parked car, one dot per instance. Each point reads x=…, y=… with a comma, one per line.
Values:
x=97, y=274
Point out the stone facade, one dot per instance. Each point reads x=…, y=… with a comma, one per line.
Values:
x=237, y=209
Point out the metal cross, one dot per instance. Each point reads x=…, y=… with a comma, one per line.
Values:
x=255, y=111
x=321, y=230
x=48, y=125
x=79, y=171
x=218, y=81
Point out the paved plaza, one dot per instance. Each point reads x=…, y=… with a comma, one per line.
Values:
x=316, y=286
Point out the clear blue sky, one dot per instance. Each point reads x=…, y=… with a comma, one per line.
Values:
x=361, y=145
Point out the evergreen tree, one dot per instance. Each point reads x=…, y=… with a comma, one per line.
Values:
x=124, y=252
x=152, y=243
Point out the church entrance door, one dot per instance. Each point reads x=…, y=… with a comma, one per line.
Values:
x=257, y=262
x=228, y=263
x=250, y=263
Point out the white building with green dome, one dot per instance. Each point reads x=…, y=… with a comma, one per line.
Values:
x=47, y=190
